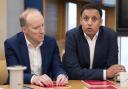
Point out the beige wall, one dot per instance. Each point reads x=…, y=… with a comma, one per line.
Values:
x=3, y=21
x=9, y=20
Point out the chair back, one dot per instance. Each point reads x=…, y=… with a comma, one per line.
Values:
x=3, y=71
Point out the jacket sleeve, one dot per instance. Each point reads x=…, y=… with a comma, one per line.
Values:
x=57, y=67
x=12, y=59
x=113, y=51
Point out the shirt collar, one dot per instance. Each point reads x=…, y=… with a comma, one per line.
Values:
x=95, y=36
x=29, y=44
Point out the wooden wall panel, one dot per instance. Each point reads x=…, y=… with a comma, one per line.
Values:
x=111, y=18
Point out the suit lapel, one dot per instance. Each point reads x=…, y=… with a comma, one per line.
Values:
x=44, y=55
x=85, y=48
x=98, y=48
x=24, y=53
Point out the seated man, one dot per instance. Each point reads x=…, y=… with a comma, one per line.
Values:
x=33, y=49
x=91, y=50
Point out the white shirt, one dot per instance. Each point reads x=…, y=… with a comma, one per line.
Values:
x=34, y=58
x=92, y=43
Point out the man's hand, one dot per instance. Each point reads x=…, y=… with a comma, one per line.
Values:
x=61, y=80
x=43, y=80
x=113, y=70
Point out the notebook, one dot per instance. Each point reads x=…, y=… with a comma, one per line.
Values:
x=99, y=84
x=105, y=87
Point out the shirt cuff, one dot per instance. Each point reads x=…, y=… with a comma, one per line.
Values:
x=32, y=79
x=104, y=75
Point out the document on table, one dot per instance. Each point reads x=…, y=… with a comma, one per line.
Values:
x=99, y=84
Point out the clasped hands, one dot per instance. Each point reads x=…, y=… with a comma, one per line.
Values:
x=114, y=70
x=45, y=80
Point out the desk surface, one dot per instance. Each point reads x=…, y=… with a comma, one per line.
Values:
x=75, y=84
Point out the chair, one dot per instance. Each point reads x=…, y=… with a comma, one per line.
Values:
x=61, y=44
x=3, y=71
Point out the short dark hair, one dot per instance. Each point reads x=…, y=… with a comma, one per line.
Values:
x=91, y=6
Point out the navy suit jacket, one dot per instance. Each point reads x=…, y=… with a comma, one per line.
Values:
x=16, y=53
x=76, y=59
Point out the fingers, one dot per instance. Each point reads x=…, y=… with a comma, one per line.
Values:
x=46, y=80
x=118, y=68
x=36, y=80
x=114, y=70
x=43, y=80
x=61, y=80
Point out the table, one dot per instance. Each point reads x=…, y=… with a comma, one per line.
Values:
x=75, y=84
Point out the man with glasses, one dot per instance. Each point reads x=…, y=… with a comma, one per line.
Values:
x=91, y=50
x=38, y=52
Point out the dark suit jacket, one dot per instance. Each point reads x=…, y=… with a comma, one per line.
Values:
x=76, y=59
x=16, y=53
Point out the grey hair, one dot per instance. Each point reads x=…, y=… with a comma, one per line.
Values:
x=23, y=16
